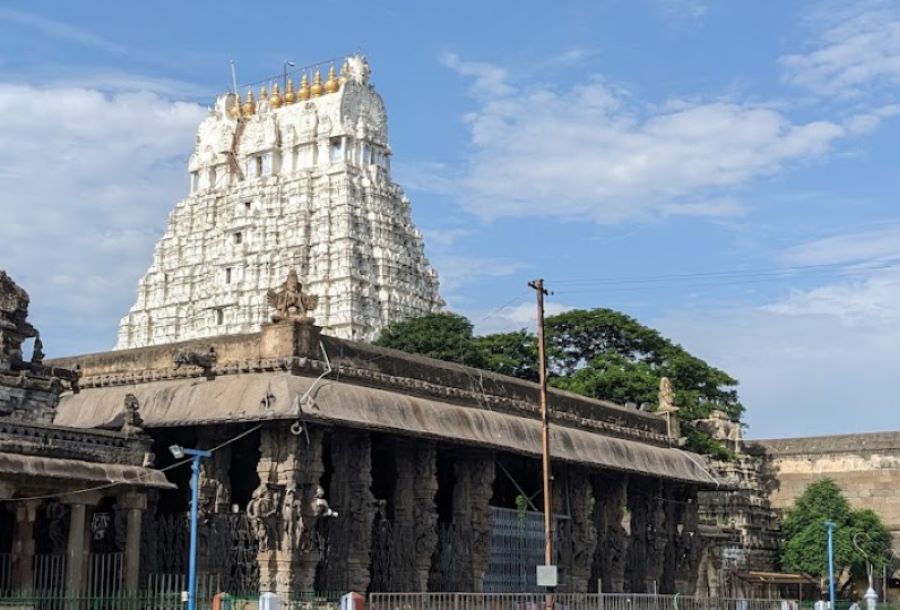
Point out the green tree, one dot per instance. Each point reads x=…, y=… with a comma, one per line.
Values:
x=445, y=336
x=805, y=534
x=513, y=354
x=599, y=353
x=606, y=354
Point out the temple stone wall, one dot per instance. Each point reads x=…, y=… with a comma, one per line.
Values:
x=304, y=186
x=865, y=466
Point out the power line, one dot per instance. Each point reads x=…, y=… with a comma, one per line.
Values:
x=734, y=274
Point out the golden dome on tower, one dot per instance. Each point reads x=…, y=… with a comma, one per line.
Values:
x=249, y=106
x=262, y=93
x=303, y=94
x=317, y=89
x=235, y=110
x=289, y=96
x=275, y=100
x=332, y=84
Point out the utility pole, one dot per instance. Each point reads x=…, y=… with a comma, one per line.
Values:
x=539, y=289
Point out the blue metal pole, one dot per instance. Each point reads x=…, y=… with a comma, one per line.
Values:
x=830, y=526
x=192, y=559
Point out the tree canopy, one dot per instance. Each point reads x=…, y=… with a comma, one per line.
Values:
x=599, y=353
x=805, y=534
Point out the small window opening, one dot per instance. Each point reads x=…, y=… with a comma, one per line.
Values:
x=220, y=316
x=259, y=166
x=228, y=275
x=238, y=237
x=248, y=205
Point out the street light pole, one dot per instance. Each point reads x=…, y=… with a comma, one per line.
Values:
x=284, y=82
x=196, y=455
x=830, y=526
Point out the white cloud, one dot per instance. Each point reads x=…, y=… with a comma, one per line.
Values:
x=59, y=30
x=858, y=50
x=592, y=152
x=681, y=10
x=88, y=179
x=816, y=360
x=864, y=246
x=488, y=80
x=866, y=302
x=513, y=317
x=456, y=271
x=445, y=237
x=800, y=375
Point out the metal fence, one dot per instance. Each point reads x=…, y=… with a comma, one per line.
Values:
x=93, y=602
x=566, y=601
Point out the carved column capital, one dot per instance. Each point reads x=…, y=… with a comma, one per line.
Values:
x=132, y=500
x=87, y=498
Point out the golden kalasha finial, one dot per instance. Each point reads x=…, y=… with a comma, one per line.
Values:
x=275, y=100
x=303, y=94
x=289, y=96
x=332, y=84
x=235, y=110
x=317, y=89
x=262, y=93
x=345, y=72
x=249, y=106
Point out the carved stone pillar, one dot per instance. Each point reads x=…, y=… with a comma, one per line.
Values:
x=23, y=546
x=351, y=495
x=415, y=512
x=288, y=467
x=78, y=547
x=613, y=524
x=472, y=517
x=425, y=517
x=644, y=564
x=577, y=551
x=134, y=504
x=689, y=544
x=215, y=484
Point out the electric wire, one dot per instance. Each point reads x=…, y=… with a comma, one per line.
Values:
x=734, y=274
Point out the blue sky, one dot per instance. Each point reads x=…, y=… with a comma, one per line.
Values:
x=725, y=172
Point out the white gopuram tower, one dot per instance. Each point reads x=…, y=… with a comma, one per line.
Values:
x=292, y=180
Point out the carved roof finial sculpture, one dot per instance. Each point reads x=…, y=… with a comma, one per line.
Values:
x=14, y=328
x=290, y=303
x=132, y=421
x=37, y=354
x=290, y=96
x=317, y=88
x=304, y=92
x=666, y=395
x=275, y=100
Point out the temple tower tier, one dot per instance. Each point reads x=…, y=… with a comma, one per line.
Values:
x=277, y=183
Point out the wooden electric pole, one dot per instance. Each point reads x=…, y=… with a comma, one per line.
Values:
x=538, y=286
